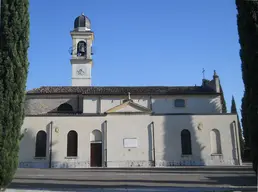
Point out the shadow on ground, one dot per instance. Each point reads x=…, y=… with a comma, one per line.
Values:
x=79, y=187
x=234, y=181
x=247, y=182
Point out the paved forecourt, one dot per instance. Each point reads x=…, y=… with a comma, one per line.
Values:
x=157, y=179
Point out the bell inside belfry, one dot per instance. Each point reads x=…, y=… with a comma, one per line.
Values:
x=81, y=48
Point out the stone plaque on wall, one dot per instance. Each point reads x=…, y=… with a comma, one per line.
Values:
x=130, y=143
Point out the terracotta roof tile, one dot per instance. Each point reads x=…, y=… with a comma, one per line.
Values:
x=117, y=90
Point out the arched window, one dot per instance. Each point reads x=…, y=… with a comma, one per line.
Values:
x=72, y=144
x=179, y=103
x=81, y=48
x=41, y=144
x=65, y=107
x=186, y=142
x=215, y=142
x=96, y=136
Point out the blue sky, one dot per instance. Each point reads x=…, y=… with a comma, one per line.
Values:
x=139, y=42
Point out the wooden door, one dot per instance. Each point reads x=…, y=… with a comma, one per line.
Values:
x=96, y=155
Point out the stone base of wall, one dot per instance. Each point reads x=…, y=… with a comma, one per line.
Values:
x=71, y=164
x=55, y=164
x=193, y=163
x=158, y=163
x=130, y=164
x=39, y=165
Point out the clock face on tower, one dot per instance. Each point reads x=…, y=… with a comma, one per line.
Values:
x=81, y=71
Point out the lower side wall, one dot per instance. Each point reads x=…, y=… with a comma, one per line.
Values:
x=127, y=164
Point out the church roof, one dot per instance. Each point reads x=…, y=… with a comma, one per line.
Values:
x=117, y=90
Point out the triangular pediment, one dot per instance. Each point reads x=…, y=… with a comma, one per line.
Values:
x=129, y=107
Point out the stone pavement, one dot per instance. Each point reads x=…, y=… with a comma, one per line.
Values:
x=156, y=179
x=131, y=190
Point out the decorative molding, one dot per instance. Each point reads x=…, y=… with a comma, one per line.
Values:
x=66, y=114
x=56, y=129
x=140, y=108
x=104, y=114
x=204, y=114
x=200, y=126
x=72, y=157
x=40, y=158
x=216, y=154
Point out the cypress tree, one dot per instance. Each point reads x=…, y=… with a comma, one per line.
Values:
x=247, y=22
x=241, y=140
x=14, y=44
x=245, y=123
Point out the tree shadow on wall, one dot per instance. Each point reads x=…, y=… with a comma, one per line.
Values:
x=181, y=144
x=175, y=125
x=177, y=137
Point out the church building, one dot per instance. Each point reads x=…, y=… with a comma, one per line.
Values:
x=83, y=126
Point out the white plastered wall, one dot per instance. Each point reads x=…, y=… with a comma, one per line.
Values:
x=167, y=131
x=159, y=104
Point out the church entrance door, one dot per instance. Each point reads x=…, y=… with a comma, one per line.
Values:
x=96, y=155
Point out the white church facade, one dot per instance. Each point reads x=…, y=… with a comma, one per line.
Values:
x=83, y=126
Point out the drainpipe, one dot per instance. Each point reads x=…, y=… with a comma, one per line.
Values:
x=150, y=102
x=237, y=142
x=78, y=103
x=153, y=140
x=50, y=144
x=99, y=106
x=105, y=142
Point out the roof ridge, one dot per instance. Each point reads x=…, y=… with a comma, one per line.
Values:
x=121, y=90
x=119, y=86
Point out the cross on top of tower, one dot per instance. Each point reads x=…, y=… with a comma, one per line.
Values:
x=203, y=73
x=129, y=96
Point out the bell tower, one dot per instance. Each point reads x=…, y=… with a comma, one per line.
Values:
x=81, y=51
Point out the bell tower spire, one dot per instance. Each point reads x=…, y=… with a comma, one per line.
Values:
x=81, y=51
